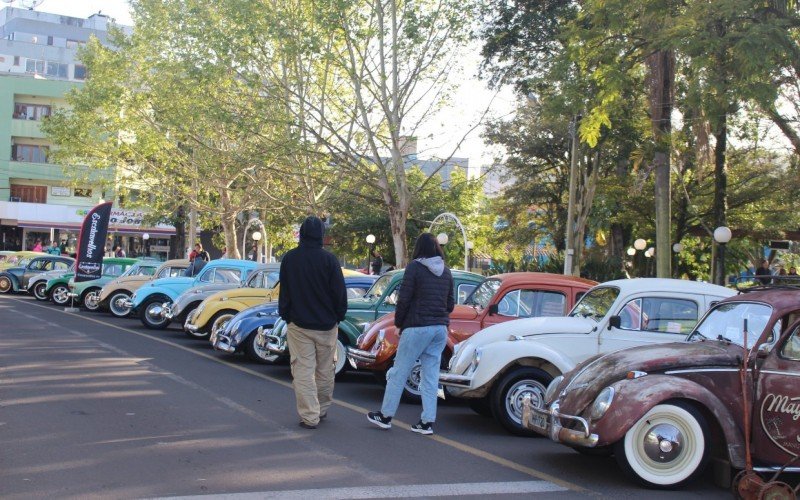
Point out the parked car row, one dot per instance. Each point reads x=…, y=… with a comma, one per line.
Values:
x=666, y=375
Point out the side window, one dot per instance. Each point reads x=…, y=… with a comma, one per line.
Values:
x=62, y=266
x=356, y=292
x=227, y=276
x=791, y=348
x=549, y=303
x=112, y=270
x=464, y=289
x=669, y=315
x=147, y=271
x=272, y=279
x=631, y=315
x=509, y=305
x=36, y=264
x=47, y=265
x=391, y=298
x=207, y=276
x=257, y=280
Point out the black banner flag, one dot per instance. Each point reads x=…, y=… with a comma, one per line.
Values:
x=92, y=243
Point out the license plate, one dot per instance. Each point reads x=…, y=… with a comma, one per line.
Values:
x=538, y=421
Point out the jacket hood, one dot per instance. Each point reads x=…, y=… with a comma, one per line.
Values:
x=434, y=264
x=311, y=232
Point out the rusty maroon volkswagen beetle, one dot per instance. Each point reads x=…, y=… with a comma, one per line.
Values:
x=665, y=410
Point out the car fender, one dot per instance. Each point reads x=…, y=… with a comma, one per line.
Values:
x=55, y=282
x=350, y=331
x=251, y=323
x=212, y=307
x=498, y=357
x=634, y=398
x=14, y=280
x=144, y=293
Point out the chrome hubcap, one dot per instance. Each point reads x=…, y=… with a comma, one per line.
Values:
x=517, y=394
x=117, y=304
x=259, y=341
x=5, y=285
x=663, y=443
x=60, y=295
x=155, y=314
x=39, y=290
x=415, y=379
x=91, y=300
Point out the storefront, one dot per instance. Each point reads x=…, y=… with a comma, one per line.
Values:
x=23, y=224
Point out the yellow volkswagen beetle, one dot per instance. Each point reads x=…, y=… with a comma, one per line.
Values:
x=220, y=307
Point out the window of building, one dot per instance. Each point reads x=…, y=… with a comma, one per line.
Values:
x=83, y=192
x=58, y=70
x=49, y=40
x=80, y=72
x=34, y=66
x=16, y=60
x=29, y=153
x=29, y=194
x=74, y=44
x=50, y=68
x=23, y=111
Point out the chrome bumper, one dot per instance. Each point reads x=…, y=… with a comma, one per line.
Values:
x=128, y=303
x=167, y=311
x=273, y=343
x=189, y=325
x=221, y=342
x=355, y=356
x=453, y=380
x=72, y=295
x=547, y=422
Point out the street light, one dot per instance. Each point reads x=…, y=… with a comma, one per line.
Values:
x=722, y=235
x=442, y=238
x=470, y=245
x=370, y=241
x=145, y=237
x=631, y=251
x=677, y=247
x=640, y=244
x=257, y=237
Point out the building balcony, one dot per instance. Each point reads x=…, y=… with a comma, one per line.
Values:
x=26, y=128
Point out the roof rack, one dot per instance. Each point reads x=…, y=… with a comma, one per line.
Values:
x=744, y=284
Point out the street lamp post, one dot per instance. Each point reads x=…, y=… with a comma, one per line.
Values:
x=454, y=218
x=470, y=246
x=257, y=238
x=145, y=238
x=722, y=235
x=676, y=249
x=371, y=242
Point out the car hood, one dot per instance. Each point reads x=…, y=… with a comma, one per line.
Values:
x=582, y=385
x=462, y=312
x=139, y=278
x=177, y=280
x=530, y=328
x=241, y=293
x=368, y=339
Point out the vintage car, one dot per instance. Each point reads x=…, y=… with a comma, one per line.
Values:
x=37, y=285
x=152, y=300
x=57, y=289
x=19, y=259
x=666, y=410
x=498, y=299
x=16, y=279
x=218, y=308
x=115, y=293
x=86, y=293
x=241, y=332
x=380, y=299
x=502, y=364
x=182, y=309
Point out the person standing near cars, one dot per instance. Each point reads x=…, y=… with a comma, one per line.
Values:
x=312, y=300
x=421, y=316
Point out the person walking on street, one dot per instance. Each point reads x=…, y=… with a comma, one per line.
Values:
x=312, y=300
x=377, y=263
x=421, y=316
x=762, y=273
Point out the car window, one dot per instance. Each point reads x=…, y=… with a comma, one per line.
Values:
x=61, y=266
x=464, y=289
x=659, y=314
x=595, y=303
x=482, y=295
x=36, y=264
x=225, y=275
x=726, y=322
x=171, y=272
x=112, y=269
x=791, y=348
x=379, y=286
x=509, y=305
x=356, y=292
x=548, y=304
x=256, y=280
x=271, y=279
x=147, y=271
x=532, y=303
x=207, y=276
x=391, y=299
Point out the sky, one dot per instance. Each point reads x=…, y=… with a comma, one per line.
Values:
x=441, y=133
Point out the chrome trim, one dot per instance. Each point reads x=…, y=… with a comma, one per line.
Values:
x=167, y=310
x=554, y=430
x=275, y=344
x=710, y=370
x=127, y=303
x=222, y=343
x=360, y=356
x=773, y=372
x=453, y=380
x=776, y=469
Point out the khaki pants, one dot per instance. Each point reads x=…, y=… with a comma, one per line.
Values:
x=312, y=358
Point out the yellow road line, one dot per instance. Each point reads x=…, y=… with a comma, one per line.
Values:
x=344, y=404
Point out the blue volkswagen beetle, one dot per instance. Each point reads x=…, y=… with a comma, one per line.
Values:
x=16, y=279
x=240, y=333
x=152, y=300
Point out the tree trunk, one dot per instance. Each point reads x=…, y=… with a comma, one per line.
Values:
x=720, y=206
x=661, y=83
x=397, y=219
x=179, y=241
x=228, y=221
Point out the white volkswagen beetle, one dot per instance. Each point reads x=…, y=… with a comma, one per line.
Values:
x=499, y=366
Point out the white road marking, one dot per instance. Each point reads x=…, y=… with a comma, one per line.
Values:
x=404, y=491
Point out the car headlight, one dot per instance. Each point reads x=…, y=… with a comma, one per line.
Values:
x=550, y=393
x=601, y=403
x=381, y=336
x=476, y=359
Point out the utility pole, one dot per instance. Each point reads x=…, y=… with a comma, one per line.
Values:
x=569, y=246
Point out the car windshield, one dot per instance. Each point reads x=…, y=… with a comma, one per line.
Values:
x=482, y=295
x=139, y=270
x=726, y=322
x=379, y=287
x=596, y=303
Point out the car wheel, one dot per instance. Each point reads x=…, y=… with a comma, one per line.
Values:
x=60, y=295
x=5, y=284
x=151, y=313
x=91, y=299
x=481, y=406
x=217, y=322
x=667, y=447
x=116, y=304
x=40, y=291
x=507, y=396
x=257, y=353
x=411, y=391
x=340, y=361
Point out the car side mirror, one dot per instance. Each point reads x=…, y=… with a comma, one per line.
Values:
x=614, y=322
x=493, y=309
x=763, y=350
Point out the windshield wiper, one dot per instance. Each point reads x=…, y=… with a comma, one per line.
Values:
x=726, y=339
x=692, y=335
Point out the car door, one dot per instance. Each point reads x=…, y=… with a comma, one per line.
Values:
x=36, y=266
x=651, y=319
x=776, y=412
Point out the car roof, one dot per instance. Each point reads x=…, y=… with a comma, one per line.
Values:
x=176, y=262
x=782, y=300
x=544, y=278
x=119, y=260
x=235, y=263
x=668, y=285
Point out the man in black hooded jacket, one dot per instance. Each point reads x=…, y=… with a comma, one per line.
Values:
x=312, y=301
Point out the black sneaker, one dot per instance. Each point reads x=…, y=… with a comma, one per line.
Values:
x=378, y=419
x=422, y=428
x=306, y=425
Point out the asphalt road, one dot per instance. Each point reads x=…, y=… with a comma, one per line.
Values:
x=94, y=406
